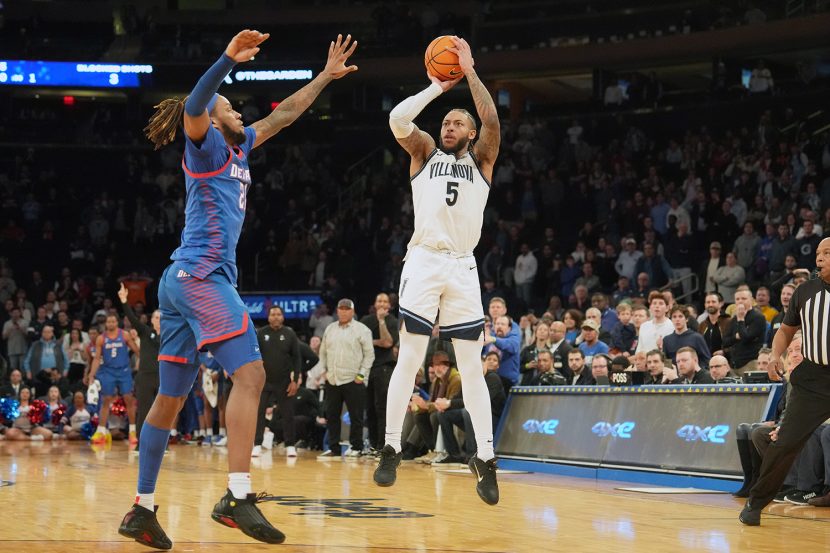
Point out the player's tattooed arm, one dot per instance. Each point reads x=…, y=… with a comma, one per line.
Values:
x=489, y=137
x=295, y=105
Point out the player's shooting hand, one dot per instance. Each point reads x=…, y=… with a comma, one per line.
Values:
x=465, y=54
x=122, y=293
x=339, y=52
x=245, y=45
x=445, y=85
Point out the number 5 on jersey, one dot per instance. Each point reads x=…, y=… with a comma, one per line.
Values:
x=452, y=193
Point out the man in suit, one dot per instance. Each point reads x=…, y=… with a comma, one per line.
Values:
x=12, y=389
x=580, y=375
x=560, y=348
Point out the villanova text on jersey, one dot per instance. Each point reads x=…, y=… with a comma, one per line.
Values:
x=454, y=170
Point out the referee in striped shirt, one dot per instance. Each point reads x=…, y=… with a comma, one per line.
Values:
x=808, y=404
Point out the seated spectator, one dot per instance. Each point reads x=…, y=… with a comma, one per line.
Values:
x=576, y=363
x=600, y=365
x=652, y=331
x=559, y=348
x=446, y=386
x=530, y=354
x=721, y=372
x=54, y=402
x=745, y=334
x=544, y=367
x=44, y=354
x=786, y=295
x=714, y=323
x=644, y=287
x=608, y=317
x=573, y=325
x=622, y=291
x=683, y=337
x=764, y=356
x=591, y=345
x=12, y=389
x=654, y=265
x=689, y=370
x=508, y=342
x=22, y=428
x=76, y=416
x=594, y=314
x=456, y=415
x=624, y=334
x=762, y=299
x=658, y=371
x=588, y=279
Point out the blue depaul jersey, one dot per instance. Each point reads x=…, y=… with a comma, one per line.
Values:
x=217, y=180
x=116, y=353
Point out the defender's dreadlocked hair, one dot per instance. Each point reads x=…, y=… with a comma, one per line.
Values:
x=161, y=130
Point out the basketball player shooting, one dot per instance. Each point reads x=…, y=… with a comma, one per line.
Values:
x=200, y=307
x=450, y=185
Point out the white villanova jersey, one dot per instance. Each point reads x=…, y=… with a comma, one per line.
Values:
x=449, y=196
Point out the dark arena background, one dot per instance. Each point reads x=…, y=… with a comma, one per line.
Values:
x=663, y=183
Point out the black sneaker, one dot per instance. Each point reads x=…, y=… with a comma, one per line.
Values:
x=780, y=496
x=487, y=486
x=800, y=498
x=449, y=460
x=386, y=473
x=244, y=514
x=750, y=515
x=142, y=525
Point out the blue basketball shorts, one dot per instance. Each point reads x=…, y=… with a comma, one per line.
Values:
x=115, y=379
x=199, y=315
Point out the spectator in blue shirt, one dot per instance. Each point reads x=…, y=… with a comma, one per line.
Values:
x=507, y=340
x=44, y=355
x=609, y=316
x=591, y=344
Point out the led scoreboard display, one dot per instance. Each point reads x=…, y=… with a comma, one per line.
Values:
x=79, y=74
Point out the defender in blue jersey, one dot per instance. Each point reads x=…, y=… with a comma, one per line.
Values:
x=111, y=367
x=200, y=307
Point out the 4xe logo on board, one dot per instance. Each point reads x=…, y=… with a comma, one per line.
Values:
x=709, y=434
x=620, y=430
x=532, y=426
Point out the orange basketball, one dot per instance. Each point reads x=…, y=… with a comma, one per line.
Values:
x=440, y=62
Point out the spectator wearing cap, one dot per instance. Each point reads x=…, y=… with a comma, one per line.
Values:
x=595, y=315
x=627, y=260
x=591, y=345
x=347, y=354
x=728, y=277
x=684, y=337
x=652, y=331
x=710, y=267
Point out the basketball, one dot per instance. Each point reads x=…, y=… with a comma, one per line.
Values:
x=440, y=61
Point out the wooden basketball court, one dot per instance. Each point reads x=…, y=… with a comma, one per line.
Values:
x=65, y=497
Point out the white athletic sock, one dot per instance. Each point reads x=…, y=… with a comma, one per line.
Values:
x=132, y=429
x=174, y=432
x=223, y=431
x=239, y=483
x=198, y=433
x=412, y=350
x=476, y=395
x=146, y=500
x=209, y=432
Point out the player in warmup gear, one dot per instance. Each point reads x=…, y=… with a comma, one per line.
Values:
x=450, y=185
x=111, y=366
x=200, y=307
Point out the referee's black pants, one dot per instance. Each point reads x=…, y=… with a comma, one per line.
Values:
x=808, y=406
x=146, y=386
x=277, y=393
x=376, y=391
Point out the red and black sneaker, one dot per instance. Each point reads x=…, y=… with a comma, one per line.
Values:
x=142, y=525
x=246, y=516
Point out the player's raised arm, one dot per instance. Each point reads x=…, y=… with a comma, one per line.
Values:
x=416, y=142
x=486, y=147
x=295, y=105
x=161, y=130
